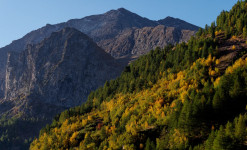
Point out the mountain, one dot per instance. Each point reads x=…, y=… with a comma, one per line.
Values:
x=56, y=67
x=59, y=71
x=188, y=96
x=118, y=32
x=51, y=76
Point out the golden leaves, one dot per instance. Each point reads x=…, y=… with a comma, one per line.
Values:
x=73, y=140
x=238, y=63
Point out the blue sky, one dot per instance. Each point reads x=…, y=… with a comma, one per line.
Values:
x=19, y=17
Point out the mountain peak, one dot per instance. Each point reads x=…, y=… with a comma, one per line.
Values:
x=67, y=33
x=69, y=29
x=178, y=23
x=122, y=9
x=67, y=50
x=171, y=18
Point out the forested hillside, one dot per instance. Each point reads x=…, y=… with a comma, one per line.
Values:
x=187, y=96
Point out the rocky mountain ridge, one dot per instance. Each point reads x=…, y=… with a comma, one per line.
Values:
x=59, y=71
x=100, y=27
x=120, y=33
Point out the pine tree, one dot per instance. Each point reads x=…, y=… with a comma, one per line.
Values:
x=219, y=143
x=229, y=130
x=212, y=30
x=217, y=101
x=210, y=140
x=149, y=145
x=240, y=129
x=245, y=32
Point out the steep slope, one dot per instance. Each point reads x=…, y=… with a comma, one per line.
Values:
x=188, y=96
x=115, y=26
x=139, y=41
x=51, y=76
x=61, y=70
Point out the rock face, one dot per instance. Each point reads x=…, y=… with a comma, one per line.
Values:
x=138, y=41
x=60, y=72
x=119, y=32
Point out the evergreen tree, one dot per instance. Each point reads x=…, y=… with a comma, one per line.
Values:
x=229, y=129
x=219, y=141
x=245, y=32
x=212, y=29
x=210, y=141
x=240, y=129
x=149, y=145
